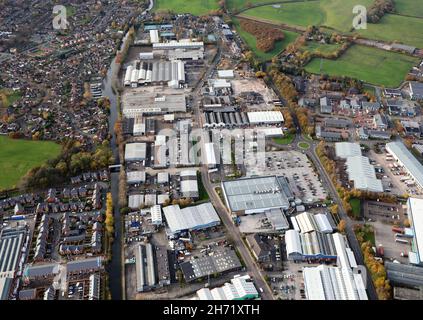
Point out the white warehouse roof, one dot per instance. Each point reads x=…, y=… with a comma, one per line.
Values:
x=135, y=151
x=225, y=73
x=135, y=177
x=265, y=117
x=363, y=174
x=406, y=159
x=191, y=218
x=347, y=149
x=415, y=211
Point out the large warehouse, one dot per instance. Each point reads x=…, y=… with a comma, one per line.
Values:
x=359, y=169
x=415, y=214
x=191, y=218
x=254, y=195
x=265, y=117
x=135, y=151
x=11, y=242
x=333, y=283
x=138, y=102
x=240, y=288
x=406, y=159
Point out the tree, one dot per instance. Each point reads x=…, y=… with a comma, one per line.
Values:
x=342, y=226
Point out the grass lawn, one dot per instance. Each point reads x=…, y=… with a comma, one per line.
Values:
x=19, y=156
x=251, y=41
x=287, y=139
x=409, y=7
x=301, y=14
x=367, y=233
x=195, y=7
x=356, y=207
x=368, y=64
x=313, y=47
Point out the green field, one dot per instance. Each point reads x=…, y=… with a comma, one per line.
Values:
x=301, y=14
x=251, y=41
x=409, y=7
x=338, y=15
x=392, y=28
x=313, y=47
x=367, y=64
x=195, y=7
x=19, y=156
x=236, y=5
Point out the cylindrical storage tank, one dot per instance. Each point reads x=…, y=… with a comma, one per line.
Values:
x=134, y=77
x=128, y=74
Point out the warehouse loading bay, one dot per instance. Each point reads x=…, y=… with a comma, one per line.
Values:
x=395, y=179
x=382, y=216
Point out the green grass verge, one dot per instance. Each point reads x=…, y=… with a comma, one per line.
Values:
x=19, y=156
x=195, y=7
x=287, y=139
x=201, y=189
x=251, y=42
x=367, y=64
x=235, y=5
x=356, y=207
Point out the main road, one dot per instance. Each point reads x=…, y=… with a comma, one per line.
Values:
x=224, y=214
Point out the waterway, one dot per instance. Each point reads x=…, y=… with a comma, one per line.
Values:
x=114, y=268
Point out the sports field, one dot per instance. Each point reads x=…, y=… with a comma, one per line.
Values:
x=251, y=42
x=19, y=156
x=367, y=64
x=195, y=7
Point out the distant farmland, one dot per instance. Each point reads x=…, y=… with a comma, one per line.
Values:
x=17, y=157
x=195, y=7
x=368, y=64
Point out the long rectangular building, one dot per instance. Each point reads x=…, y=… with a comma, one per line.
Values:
x=406, y=159
x=11, y=242
x=415, y=214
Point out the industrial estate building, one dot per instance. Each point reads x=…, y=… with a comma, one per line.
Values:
x=406, y=159
x=359, y=169
x=254, y=195
x=190, y=218
x=135, y=151
x=415, y=214
x=152, y=267
x=240, y=288
x=219, y=261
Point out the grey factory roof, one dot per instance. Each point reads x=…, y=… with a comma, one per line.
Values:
x=191, y=218
x=254, y=194
x=138, y=103
x=135, y=151
x=222, y=260
x=407, y=159
x=11, y=241
x=277, y=219
x=403, y=274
